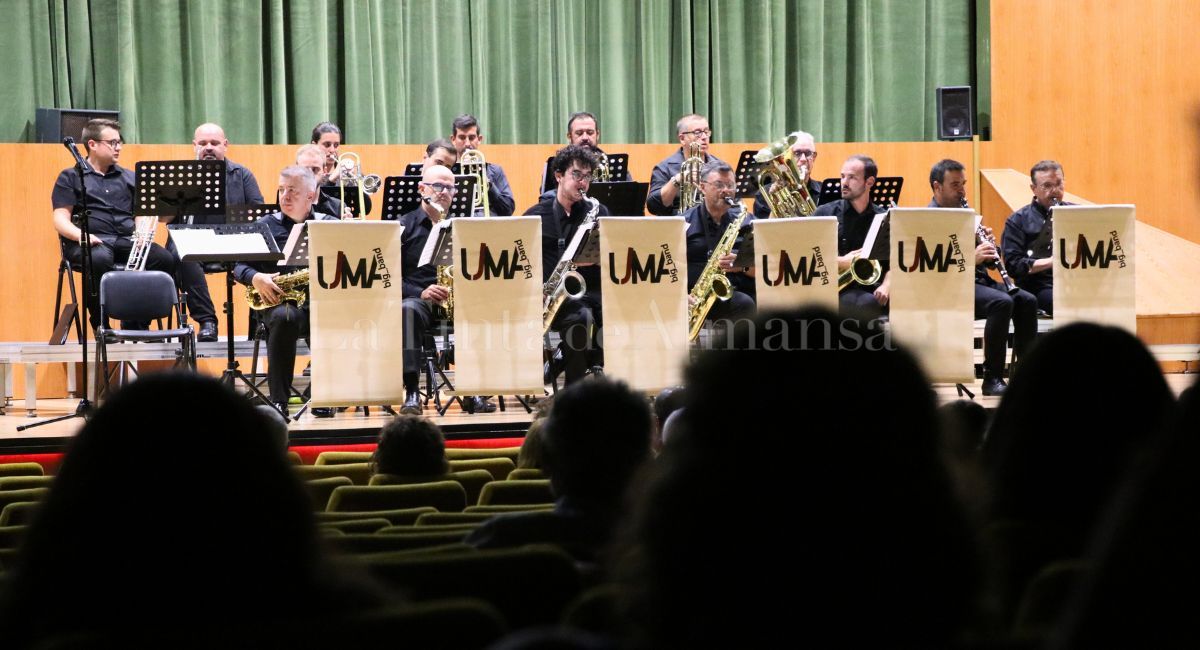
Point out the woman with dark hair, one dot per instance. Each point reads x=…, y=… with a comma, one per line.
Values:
x=143, y=534
x=410, y=445
x=328, y=137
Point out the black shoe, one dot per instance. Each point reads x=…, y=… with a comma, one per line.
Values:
x=412, y=403
x=322, y=411
x=554, y=367
x=208, y=332
x=994, y=387
x=479, y=405
x=282, y=408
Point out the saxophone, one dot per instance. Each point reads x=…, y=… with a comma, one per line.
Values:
x=445, y=272
x=143, y=237
x=294, y=286
x=689, y=177
x=713, y=285
x=555, y=290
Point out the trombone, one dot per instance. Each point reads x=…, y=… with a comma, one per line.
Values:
x=348, y=169
x=472, y=163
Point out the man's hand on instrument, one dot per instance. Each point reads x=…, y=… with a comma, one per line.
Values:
x=883, y=292
x=94, y=240
x=265, y=284
x=843, y=261
x=985, y=252
x=435, y=293
x=726, y=263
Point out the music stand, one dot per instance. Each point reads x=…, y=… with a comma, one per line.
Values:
x=350, y=198
x=746, y=174
x=623, y=198
x=414, y=169
x=463, y=204
x=228, y=253
x=885, y=190
x=172, y=188
x=400, y=195
x=618, y=168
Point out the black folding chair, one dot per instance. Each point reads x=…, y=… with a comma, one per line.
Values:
x=141, y=296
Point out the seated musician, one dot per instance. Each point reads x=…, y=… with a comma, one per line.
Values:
x=285, y=320
x=109, y=190
x=706, y=225
x=327, y=137
x=312, y=158
x=1026, y=244
x=423, y=296
x=578, y=321
x=993, y=302
x=855, y=212
x=805, y=151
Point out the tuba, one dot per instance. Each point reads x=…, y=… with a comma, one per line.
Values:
x=712, y=284
x=294, y=286
x=565, y=282
x=689, y=177
x=784, y=185
x=472, y=163
x=348, y=171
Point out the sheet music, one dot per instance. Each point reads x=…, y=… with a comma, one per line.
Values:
x=578, y=240
x=298, y=237
x=869, y=243
x=200, y=240
x=437, y=235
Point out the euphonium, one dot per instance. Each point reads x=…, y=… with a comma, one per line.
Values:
x=712, y=284
x=689, y=177
x=472, y=163
x=294, y=286
x=557, y=288
x=784, y=185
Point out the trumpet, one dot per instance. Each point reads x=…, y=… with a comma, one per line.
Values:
x=862, y=270
x=143, y=238
x=472, y=163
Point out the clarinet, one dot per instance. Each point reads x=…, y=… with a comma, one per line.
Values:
x=997, y=263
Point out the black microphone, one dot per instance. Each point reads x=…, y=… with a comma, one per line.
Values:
x=69, y=143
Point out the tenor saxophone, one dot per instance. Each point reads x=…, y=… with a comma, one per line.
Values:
x=294, y=286
x=445, y=272
x=558, y=287
x=713, y=285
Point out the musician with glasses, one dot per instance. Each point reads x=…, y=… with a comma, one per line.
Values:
x=665, y=180
x=993, y=302
x=465, y=134
x=706, y=225
x=241, y=188
x=424, y=298
x=579, y=320
x=285, y=320
x=805, y=151
x=110, y=190
x=1027, y=235
x=855, y=212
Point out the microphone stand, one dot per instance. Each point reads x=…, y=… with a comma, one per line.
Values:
x=85, y=408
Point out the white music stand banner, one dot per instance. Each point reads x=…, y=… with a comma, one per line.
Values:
x=355, y=321
x=796, y=262
x=1094, y=265
x=933, y=289
x=498, y=306
x=643, y=274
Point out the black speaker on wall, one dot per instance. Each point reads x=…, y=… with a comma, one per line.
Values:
x=956, y=117
x=54, y=124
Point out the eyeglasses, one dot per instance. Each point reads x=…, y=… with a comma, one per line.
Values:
x=440, y=188
x=581, y=176
x=806, y=154
x=698, y=133
x=115, y=144
x=721, y=186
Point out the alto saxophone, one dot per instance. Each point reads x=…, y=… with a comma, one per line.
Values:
x=555, y=290
x=294, y=286
x=713, y=285
x=445, y=272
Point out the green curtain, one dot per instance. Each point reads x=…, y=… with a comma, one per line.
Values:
x=393, y=71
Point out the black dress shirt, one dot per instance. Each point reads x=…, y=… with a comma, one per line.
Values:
x=981, y=274
x=558, y=228
x=1020, y=230
x=241, y=188
x=702, y=236
x=662, y=173
x=417, y=226
x=280, y=227
x=853, y=227
x=109, y=197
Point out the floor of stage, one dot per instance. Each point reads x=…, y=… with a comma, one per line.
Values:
x=351, y=427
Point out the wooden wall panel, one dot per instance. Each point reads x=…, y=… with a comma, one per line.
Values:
x=1109, y=89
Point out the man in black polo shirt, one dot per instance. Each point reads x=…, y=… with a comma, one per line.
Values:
x=1026, y=245
x=110, y=198
x=286, y=321
x=855, y=212
x=240, y=188
x=583, y=129
x=948, y=180
x=805, y=151
x=706, y=224
x=665, y=180
x=578, y=320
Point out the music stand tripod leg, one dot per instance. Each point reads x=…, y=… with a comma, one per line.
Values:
x=232, y=375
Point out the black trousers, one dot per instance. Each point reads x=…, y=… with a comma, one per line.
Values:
x=193, y=281
x=418, y=321
x=579, y=322
x=286, y=323
x=861, y=299
x=998, y=307
x=1045, y=299
x=106, y=257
